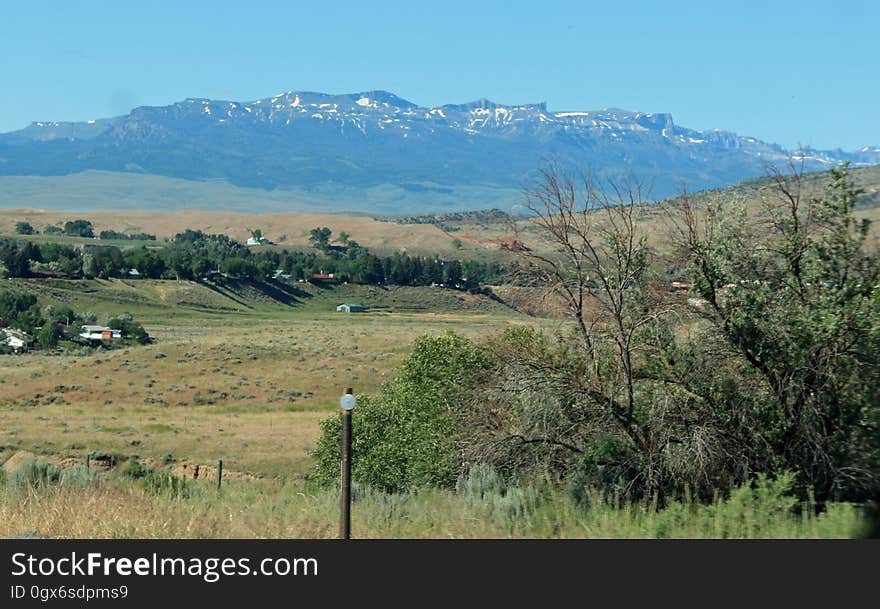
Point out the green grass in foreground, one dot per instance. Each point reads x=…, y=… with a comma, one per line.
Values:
x=81, y=505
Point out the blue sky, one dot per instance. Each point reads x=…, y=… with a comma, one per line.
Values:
x=790, y=72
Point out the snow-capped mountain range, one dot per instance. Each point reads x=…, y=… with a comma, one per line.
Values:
x=313, y=141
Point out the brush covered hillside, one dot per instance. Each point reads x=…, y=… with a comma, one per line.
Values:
x=284, y=229
x=363, y=151
x=487, y=234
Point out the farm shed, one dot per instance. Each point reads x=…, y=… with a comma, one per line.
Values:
x=350, y=308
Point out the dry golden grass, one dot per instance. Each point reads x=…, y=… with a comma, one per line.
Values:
x=121, y=509
x=291, y=228
x=246, y=389
x=110, y=511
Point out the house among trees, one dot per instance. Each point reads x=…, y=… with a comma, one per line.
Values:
x=512, y=244
x=99, y=333
x=16, y=339
x=350, y=308
x=257, y=238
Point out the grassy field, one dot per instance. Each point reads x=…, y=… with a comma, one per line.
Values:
x=111, y=506
x=234, y=374
x=286, y=229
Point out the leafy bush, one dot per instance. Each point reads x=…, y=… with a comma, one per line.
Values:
x=801, y=304
x=481, y=480
x=79, y=228
x=130, y=329
x=165, y=483
x=407, y=437
x=49, y=335
x=504, y=501
x=24, y=228
x=20, y=311
x=80, y=475
x=35, y=474
x=136, y=469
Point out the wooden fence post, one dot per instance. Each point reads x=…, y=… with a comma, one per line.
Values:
x=347, y=405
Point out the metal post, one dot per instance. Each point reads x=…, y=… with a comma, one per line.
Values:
x=345, y=479
x=88, y=460
x=219, y=473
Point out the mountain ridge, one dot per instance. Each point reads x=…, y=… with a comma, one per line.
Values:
x=316, y=142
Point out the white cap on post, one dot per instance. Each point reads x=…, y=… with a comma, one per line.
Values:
x=347, y=401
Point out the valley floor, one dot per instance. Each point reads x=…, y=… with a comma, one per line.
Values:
x=234, y=376
x=244, y=376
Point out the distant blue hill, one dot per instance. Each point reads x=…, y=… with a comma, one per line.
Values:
x=328, y=148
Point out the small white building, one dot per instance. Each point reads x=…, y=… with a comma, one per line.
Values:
x=16, y=339
x=99, y=333
x=350, y=308
x=258, y=241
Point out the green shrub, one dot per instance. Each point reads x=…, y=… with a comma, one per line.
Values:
x=49, y=335
x=135, y=469
x=754, y=506
x=24, y=228
x=80, y=475
x=481, y=480
x=35, y=474
x=166, y=484
x=79, y=228
x=505, y=502
x=406, y=437
x=130, y=329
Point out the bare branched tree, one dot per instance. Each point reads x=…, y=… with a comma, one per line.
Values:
x=605, y=393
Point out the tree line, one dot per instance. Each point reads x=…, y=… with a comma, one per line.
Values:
x=196, y=255
x=81, y=228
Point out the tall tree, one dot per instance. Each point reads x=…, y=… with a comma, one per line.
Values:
x=595, y=400
x=320, y=238
x=794, y=291
x=24, y=228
